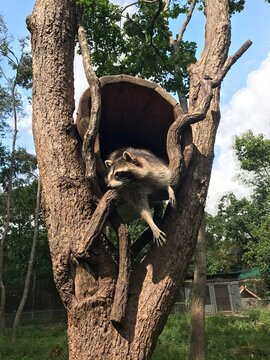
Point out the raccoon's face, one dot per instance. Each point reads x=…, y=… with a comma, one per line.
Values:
x=122, y=170
x=118, y=177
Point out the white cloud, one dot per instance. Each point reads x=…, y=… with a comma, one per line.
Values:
x=80, y=81
x=249, y=108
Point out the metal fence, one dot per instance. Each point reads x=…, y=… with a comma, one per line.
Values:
x=43, y=306
x=45, y=317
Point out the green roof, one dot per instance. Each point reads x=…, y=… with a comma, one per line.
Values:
x=253, y=273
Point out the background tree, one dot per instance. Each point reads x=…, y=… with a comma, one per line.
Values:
x=237, y=235
x=197, y=314
x=253, y=152
x=69, y=200
x=10, y=105
x=30, y=266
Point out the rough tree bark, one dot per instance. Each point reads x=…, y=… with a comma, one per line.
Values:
x=85, y=271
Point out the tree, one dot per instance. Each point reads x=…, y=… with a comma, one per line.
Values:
x=238, y=233
x=253, y=153
x=71, y=213
x=229, y=234
x=30, y=267
x=10, y=104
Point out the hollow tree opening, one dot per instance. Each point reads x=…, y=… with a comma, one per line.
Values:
x=134, y=112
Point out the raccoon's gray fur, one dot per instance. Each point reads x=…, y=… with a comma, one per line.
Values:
x=137, y=173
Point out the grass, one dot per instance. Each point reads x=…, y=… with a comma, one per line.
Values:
x=242, y=337
x=35, y=343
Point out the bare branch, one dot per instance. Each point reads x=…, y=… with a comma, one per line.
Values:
x=129, y=5
x=137, y=2
x=175, y=44
x=230, y=61
x=179, y=37
x=94, y=120
x=157, y=14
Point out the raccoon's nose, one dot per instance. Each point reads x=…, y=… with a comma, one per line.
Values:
x=109, y=186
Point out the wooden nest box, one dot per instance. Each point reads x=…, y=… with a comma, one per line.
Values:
x=134, y=112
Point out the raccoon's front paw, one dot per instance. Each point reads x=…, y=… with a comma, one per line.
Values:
x=159, y=237
x=172, y=199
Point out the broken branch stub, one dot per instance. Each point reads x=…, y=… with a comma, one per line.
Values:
x=122, y=286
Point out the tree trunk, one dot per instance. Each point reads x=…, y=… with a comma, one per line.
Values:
x=197, y=326
x=87, y=285
x=30, y=268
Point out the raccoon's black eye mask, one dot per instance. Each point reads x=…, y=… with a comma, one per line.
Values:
x=123, y=175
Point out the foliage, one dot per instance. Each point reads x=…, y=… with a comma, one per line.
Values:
x=20, y=69
x=18, y=244
x=24, y=167
x=238, y=236
x=19, y=241
x=236, y=5
x=229, y=234
x=228, y=337
x=137, y=43
x=16, y=74
x=137, y=40
x=253, y=153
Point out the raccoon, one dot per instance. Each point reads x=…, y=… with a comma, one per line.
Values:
x=136, y=174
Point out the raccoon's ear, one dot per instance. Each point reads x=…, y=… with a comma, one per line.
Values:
x=108, y=163
x=126, y=155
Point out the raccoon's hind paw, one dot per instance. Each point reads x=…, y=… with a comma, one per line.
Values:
x=160, y=238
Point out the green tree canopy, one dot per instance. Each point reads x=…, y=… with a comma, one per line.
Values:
x=138, y=43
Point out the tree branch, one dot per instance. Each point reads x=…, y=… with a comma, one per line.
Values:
x=137, y=2
x=207, y=85
x=230, y=61
x=95, y=111
x=121, y=290
x=167, y=5
x=98, y=220
x=179, y=37
x=175, y=44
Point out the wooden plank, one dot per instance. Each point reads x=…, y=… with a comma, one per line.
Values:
x=104, y=80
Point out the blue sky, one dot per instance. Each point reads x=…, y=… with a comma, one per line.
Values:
x=245, y=90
